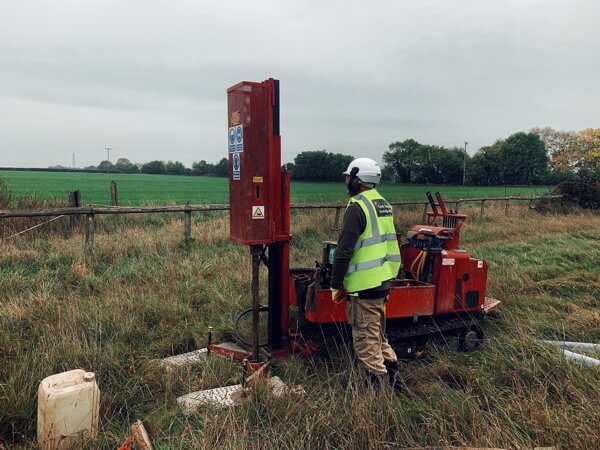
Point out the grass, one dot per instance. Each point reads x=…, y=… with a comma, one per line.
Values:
x=139, y=189
x=143, y=297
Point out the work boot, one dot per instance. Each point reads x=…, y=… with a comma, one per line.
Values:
x=393, y=373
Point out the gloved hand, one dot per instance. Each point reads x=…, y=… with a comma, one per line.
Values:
x=338, y=295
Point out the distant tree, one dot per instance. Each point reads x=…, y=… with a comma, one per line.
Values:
x=562, y=146
x=125, y=166
x=320, y=165
x=105, y=166
x=154, y=167
x=433, y=164
x=413, y=162
x=387, y=174
x=202, y=168
x=524, y=159
x=401, y=157
x=174, y=168
x=589, y=152
x=222, y=168
x=485, y=168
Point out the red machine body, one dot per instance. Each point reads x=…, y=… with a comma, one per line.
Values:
x=438, y=278
x=257, y=186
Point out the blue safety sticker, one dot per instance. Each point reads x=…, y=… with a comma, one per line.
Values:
x=236, y=139
x=236, y=166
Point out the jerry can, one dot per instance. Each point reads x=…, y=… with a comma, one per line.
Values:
x=68, y=408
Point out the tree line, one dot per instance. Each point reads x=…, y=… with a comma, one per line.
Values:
x=156, y=167
x=540, y=156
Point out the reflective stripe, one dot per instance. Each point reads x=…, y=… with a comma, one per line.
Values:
x=375, y=240
x=373, y=216
x=373, y=263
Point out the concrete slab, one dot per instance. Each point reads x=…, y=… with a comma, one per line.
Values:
x=222, y=396
x=186, y=359
x=230, y=395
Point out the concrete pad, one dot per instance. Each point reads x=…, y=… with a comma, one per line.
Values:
x=231, y=395
x=222, y=396
x=186, y=359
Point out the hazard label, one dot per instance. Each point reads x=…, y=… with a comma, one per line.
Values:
x=258, y=212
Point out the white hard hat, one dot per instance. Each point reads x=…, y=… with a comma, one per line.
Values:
x=368, y=170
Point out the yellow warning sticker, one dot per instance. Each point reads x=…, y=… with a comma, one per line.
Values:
x=258, y=212
x=257, y=179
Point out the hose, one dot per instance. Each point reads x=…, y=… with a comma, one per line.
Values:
x=420, y=263
x=236, y=325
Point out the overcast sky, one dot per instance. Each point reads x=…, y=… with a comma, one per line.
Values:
x=148, y=78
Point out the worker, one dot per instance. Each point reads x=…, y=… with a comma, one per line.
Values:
x=367, y=257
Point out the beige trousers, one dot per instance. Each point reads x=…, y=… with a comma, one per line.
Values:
x=367, y=319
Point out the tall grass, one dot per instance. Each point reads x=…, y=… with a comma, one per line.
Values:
x=145, y=296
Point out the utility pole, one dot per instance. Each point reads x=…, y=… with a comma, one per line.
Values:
x=73, y=160
x=108, y=149
x=465, y=164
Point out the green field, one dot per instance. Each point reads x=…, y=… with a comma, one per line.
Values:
x=141, y=189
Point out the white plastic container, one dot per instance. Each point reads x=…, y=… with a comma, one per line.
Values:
x=68, y=407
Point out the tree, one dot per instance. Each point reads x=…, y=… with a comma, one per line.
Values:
x=154, y=167
x=485, y=167
x=524, y=159
x=320, y=165
x=562, y=147
x=174, y=168
x=202, y=168
x=401, y=158
x=125, y=166
x=589, y=151
x=105, y=166
x=222, y=168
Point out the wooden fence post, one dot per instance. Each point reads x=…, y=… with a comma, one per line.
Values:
x=187, y=225
x=89, y=235
x=75, y=202
x=114, y=195
x=481, y=212
x=506, y=207
x=424, y=217
x=337, y=218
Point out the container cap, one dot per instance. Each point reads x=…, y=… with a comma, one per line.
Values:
x=89, y=376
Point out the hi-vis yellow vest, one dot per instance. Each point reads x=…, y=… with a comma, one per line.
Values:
x=376, y=256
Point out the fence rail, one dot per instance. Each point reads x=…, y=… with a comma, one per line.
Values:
x=90, y=212
x=87, y=210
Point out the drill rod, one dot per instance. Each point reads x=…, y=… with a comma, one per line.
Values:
x=256, y=251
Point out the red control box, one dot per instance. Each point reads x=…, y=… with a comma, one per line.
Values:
x=257, y=185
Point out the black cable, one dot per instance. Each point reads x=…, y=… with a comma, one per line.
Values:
x=236, y=323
